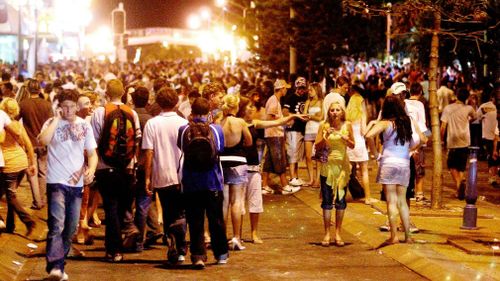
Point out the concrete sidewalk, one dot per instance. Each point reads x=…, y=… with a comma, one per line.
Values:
x=443, y=251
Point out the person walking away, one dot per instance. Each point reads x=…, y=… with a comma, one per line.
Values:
x=117, y=131
x=394, y=163
x=35, y=111
x=67, y=137
x=487, y=113
x=161, y=166
x=416, y=110
x=19, y=159
x=202, y=182
x=237, y=139
x=455, y=121
x=336, y=134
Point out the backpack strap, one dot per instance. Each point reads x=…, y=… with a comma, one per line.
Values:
x=182, y=148
x=216, y=135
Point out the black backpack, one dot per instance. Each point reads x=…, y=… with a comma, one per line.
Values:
x=118, y=143
x=199, y=147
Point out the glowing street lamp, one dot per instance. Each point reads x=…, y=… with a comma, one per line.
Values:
x=194, y=21
x=220, y=3
x=205, y=13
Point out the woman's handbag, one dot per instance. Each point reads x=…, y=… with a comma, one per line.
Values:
x=320, y=152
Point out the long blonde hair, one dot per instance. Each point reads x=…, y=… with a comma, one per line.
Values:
x=329, y=119
x=354, y=110
x=231, y=103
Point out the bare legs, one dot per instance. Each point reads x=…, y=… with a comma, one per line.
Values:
x=327, y=217
x=312, y=172
x=396, y=201
x=254, y=226
x=234, y=196
x=365, y=181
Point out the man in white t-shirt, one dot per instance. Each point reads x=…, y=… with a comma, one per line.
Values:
x=416, y=110
x=456, y=118
x=487, y=113
x=161, y=166
x=444, y=95
x=67, y=137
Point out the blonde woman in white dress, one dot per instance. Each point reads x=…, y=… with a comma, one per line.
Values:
x=356, y=114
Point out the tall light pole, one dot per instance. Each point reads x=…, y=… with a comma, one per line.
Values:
x=293, y=50
x=19, y=40
x=388, y=33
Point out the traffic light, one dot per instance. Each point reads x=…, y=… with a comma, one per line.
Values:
x=118, y=21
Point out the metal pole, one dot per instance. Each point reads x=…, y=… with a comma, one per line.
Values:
x=388, y=39
x=36, y=38
x=293, y=50
x=470, y=210
x=19, y=42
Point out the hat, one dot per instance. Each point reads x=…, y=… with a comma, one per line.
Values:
x=397, y=88
x=280, y=83
x=300, y=82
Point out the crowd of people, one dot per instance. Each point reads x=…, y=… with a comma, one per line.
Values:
x=165, y=145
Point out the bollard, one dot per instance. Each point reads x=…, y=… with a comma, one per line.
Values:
x=470, y=210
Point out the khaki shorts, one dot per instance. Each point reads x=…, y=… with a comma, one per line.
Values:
x=294, y=147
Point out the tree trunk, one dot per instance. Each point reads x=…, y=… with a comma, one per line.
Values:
x=437, y=188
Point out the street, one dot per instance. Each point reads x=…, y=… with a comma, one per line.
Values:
x=292, y=232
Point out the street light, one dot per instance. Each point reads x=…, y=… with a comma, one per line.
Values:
x=220, y=3
x=194, y=21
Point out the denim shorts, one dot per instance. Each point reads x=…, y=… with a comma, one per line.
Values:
x=236, y=175
x=327, y=195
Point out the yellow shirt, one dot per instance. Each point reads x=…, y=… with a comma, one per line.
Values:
x=15, y=157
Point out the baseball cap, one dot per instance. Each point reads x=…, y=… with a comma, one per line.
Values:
x=397, y=88
x=280, y=83
x=300, y=82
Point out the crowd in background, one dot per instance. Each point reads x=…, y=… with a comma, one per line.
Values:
x=262, y=124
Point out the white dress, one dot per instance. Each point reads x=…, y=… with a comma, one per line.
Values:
x=359, y=153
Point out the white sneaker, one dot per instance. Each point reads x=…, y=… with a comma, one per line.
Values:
x=65, y=277
x=181, y=258
x=296, y=182
x=267, y=190
x=287, y=190
x=56, y=275
x=2, y=225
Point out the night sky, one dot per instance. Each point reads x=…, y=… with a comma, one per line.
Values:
x=148, y=13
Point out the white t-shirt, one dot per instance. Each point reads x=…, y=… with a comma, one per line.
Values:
x=443, y=96
x=456, y=115
x=65, y=160
x=331, y=98
x=487, y=113
x=97, y=122
x=4, y=121
x=273, y=107
x=160, y=135
x=416, y=111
